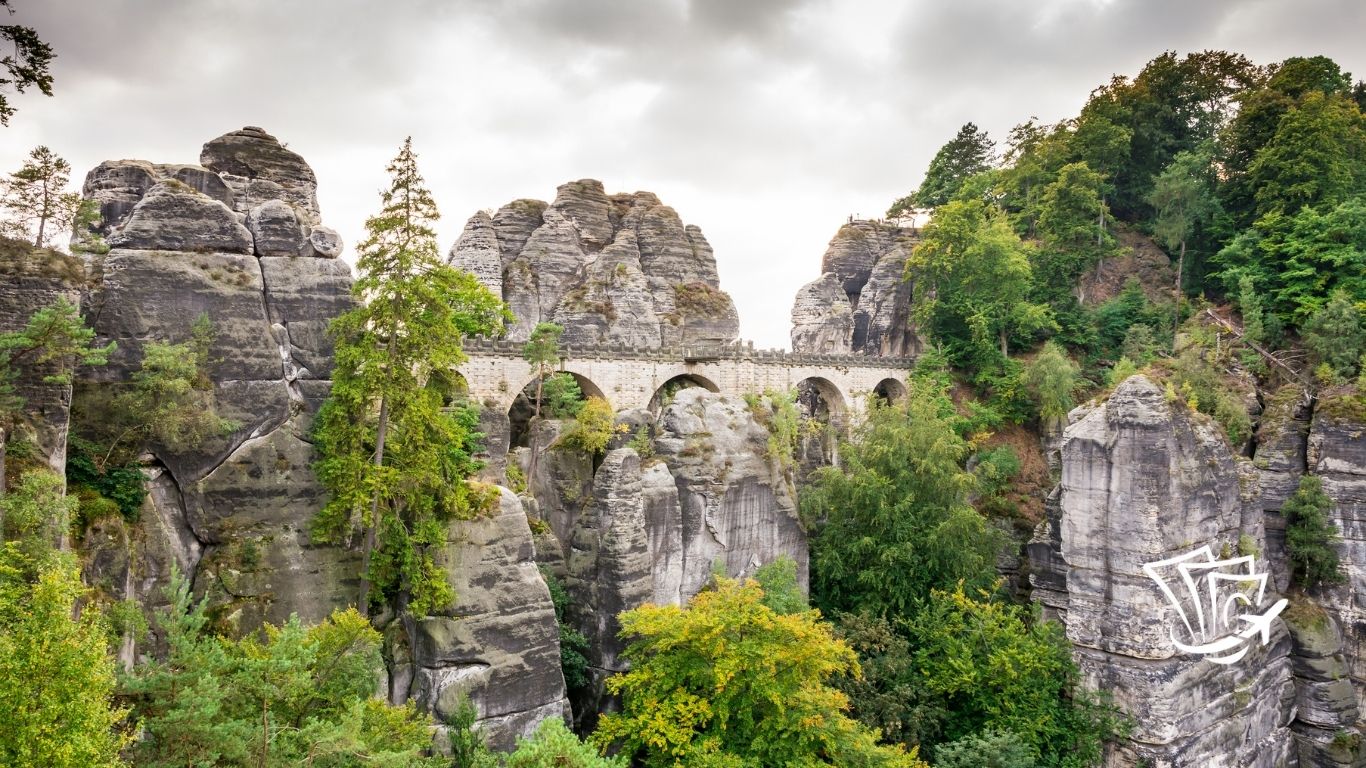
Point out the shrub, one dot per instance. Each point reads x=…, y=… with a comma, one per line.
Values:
x=592, y=429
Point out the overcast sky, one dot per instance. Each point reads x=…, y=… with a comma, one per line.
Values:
x=765, y=122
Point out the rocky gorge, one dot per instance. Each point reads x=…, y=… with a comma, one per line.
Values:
x=683, y=489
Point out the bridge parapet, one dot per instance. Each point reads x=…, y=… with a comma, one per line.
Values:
x=503, y=348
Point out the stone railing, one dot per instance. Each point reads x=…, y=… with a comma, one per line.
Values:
x=743, y=351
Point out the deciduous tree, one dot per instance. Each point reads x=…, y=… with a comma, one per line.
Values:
x=729, y=682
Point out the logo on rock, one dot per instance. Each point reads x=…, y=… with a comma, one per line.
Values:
x=1217, y=601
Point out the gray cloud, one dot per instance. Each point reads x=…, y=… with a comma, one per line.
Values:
x=766, y=122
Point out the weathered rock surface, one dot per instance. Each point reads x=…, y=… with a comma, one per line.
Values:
x=612, y=269
x=174, y=217
x=1143, y=481
x=862, y=287
x=233, y=512
x=822, y=321
x=258, y=168
x=477, y=252
x=498, y=644
x=31, y=280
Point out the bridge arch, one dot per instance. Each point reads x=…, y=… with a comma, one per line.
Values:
x=825, y=408
x=522, y=408
x=890, y=391
x=665, y=392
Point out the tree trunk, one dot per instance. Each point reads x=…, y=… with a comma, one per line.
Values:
x=1176, y=309
x=368, y=547
x=535, y=419
x=1004, y=351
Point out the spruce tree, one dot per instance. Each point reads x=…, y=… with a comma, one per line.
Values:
x=395, y=453
x=1309, y=535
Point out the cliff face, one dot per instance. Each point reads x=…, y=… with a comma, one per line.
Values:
x=618, y=268
x=860, y=303
x=1142, y=481
x=651, y=528
x=238, y=239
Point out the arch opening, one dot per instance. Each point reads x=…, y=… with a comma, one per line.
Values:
x=890, y=391
x=824, y=419
x=560, y=397
x=666, y=391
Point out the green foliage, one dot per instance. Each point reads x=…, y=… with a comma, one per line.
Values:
x=1335, y=335
x=778, y=580
x=1051, y=379
x=990, y=749
x=1317, y=157
x=25, y=67
x=592, y=429
x=554, y=746
x=1203, y=387
x=56, y=680
x=122, y=485
x=394, y=457
x=1298, y=261
x=996, y=467
x=37, y=206
x=972, y=276
x=293, y=696
x=54, y=342
x=516, y=477
x=542, y=351
x=573, y=645
x=561, y=395
x=642, y=444
x=1310, y=534
x=1121, y=370
x=36, y=514
x=988, y=666
x=170, y=400
x=1183, y=196
x=727, y=681
x=965, y=155
x=894, y=520
x=468, y=748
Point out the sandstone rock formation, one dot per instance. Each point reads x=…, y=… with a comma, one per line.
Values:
x=31, y=280
x=861, y=303
x=1143, y=480
x=639, y=529
x=239, y=240
x=613, y=269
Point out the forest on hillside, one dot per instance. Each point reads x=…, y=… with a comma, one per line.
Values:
x=909, y=649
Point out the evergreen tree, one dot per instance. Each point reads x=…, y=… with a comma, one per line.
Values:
x=38, y=207
x=292, y=696
x=1335, y=335
x=542, y=351
x=1310, y=534
x=393, y=455
x=965, y=155
x=555, y=746
x=26, y=66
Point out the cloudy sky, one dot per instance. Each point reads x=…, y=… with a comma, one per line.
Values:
x=765, y=122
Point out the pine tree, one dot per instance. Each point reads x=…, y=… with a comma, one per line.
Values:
x=395, y=453
x=965, y=155
x=38, y=207
x=26, y=66
x=1309, y=534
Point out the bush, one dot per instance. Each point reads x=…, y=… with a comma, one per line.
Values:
x=592, y=429
x=991, y=749
x=553, y=746
x=1309, y=535
x=561, y=396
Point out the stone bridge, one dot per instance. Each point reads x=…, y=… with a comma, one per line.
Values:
x=637, y=378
